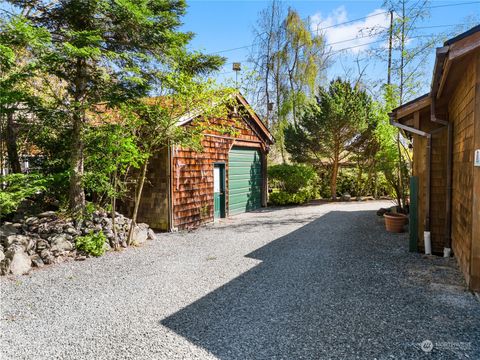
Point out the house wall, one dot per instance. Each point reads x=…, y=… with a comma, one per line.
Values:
x=461, y=114
x=193, y=173
x=475, y=256
x=437, y=181
x=153, y=208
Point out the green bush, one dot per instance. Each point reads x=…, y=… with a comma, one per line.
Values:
x=92, y=243
x=291, y=184
x=291, y=178
x=285, y=198
x=16, y=188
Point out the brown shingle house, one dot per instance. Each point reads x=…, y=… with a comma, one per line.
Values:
x=185, y=189
x=445, y=127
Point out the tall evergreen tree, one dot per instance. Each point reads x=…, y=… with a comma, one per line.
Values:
x=107, y=51
x=328, y=127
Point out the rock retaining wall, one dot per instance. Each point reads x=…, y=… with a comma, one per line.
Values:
x=49, y=238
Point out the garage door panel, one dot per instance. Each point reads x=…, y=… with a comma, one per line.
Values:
x=244, y=180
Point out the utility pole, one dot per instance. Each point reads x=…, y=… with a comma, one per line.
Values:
x=402, y=50
x=390, y=44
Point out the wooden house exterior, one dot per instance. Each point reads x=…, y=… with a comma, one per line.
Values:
x=448, y=118
x=185, y=188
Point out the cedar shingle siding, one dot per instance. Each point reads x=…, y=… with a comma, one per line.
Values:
x=455, y=97
x=193, y=174
x=178, y=192
x=461, y=110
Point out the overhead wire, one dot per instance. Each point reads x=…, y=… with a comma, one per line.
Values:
x=358, y=19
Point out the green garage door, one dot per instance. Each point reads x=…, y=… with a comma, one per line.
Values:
x=244, y=180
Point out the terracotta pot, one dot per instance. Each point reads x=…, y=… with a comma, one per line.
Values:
x=395, y=222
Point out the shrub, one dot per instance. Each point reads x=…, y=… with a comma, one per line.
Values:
x=16, y=188
x=291, y=178
x=285, y=198
x=92, y=243
x=292, y=184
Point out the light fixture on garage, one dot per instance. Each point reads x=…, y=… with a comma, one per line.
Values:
x=236, y=67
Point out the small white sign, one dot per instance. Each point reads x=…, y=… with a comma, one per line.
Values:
x=476, y=161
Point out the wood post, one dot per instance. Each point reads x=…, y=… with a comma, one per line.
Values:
x=413, y=222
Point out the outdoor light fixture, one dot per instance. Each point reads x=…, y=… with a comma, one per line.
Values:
x=236, y=67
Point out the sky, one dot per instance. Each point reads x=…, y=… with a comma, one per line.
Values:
x=223, y=25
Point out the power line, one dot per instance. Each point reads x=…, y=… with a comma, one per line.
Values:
x=358, y=19
x=347, y=48
x=367, y=36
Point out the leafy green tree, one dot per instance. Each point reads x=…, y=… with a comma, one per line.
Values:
x=328, y=128
x=289, y=60
x=16, y=188
x=156, y=121
x=20, y=42
x=107, y=51
x=390, y=159
x=111, y=152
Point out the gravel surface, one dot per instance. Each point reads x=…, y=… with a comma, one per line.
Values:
x=313, y=282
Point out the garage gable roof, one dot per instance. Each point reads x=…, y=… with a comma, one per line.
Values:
x=266, y=134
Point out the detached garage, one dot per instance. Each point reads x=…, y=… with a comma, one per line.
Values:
x=186, y=188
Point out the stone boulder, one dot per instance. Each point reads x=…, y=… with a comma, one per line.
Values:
x=47, y=214
x=5, y=266
x=37, y=260
x=140, y=234
x=21, y=240
x=7, y=230
x=59, y=243
x=31, y=221
x=47, y=256
x=151, y=234
x=20, y=263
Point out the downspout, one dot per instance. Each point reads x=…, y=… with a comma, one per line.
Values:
x=428, y=136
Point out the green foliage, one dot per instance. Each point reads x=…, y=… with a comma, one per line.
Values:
x=292, y=184
x=281, y=198
x=328, y=125
x=92, y=243
x=391, y=156
x=328, y=128
x=291, y=178
x=101, y=52
x=111, y=150
x=348, y=182
x=16, y=188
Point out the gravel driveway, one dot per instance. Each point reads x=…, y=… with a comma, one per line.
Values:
x=313, y=282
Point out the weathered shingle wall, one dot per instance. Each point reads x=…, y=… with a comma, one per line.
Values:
x=193, y=174
x=153, y=208
x=461, y=112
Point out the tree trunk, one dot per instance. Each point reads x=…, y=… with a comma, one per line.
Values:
x=12, y=149
x=77, y=194
x=114, y=242
x=76, y=191
x=138, y=197
x=333, y=183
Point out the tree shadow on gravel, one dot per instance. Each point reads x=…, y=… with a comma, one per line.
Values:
x=331, y=289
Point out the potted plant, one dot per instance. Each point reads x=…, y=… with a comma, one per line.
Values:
x=395, y=221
